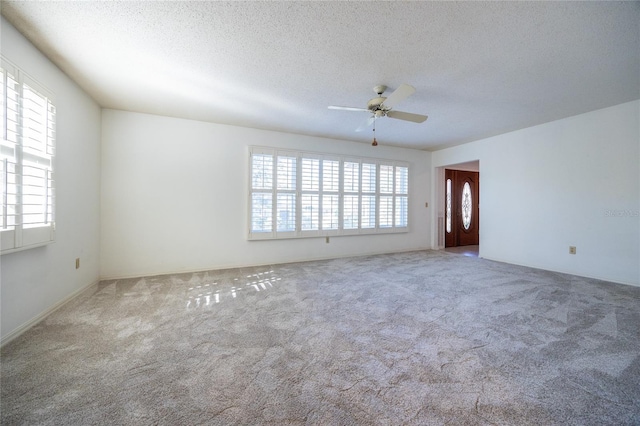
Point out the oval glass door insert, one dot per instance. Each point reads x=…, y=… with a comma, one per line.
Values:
x=466, y=205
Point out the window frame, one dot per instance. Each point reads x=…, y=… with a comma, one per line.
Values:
x=322, y=193
x=23, y=235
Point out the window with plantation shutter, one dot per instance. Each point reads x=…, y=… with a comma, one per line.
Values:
x=297, y=194
x=26, y=162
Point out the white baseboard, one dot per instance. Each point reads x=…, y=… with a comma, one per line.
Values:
x=220, y=267
x=33, y=321
x=567, y=272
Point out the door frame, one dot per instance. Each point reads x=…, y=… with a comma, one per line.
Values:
x=461, y=235
x=438, y=216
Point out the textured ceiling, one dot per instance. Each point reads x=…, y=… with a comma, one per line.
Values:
x=480, y=68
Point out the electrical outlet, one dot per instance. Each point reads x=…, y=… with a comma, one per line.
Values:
x=78, y=263
x=572, y=250
x=426, y=205
x=327, y=240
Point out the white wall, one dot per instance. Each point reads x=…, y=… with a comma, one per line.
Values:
x=34, y=281
x=175, y=194
x=571, y=182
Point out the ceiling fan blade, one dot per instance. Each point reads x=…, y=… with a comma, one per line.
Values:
x=401, y=93
x=368, y=122
x=348, y=108
x=407, y=116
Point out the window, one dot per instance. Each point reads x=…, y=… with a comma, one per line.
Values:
x=26, y=161
x=301, y=194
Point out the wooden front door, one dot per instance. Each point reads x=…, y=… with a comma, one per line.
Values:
x=461, y=208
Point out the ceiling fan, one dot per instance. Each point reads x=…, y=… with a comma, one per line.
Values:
x=381, y=106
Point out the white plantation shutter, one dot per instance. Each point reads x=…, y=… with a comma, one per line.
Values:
x=8, y=167
x=330, y=175
x=369, y=178
x=386, y=179
x=310, y=174
x=368, y=205
x=330, y=211
x=27, y=161
x=330, y=194
x=401, y=197
x=402, y=180
x=368, y=218
x=310, y=194
x=261, y=212
x=286, y=193
x=401, y=212
x=310, y=212
x=351, y=197
x=386, y=212
x=37, y=157
x=351, y=176
x=300, y=194
x=351, y=210
x=286, y=212
x=287, y=173
x=262, y=193
x=262, y=171
x=385, y=207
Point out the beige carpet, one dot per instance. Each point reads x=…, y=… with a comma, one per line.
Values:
x=412, y=338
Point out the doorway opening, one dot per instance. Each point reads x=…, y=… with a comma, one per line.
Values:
x=458, y=208
x=461, y=208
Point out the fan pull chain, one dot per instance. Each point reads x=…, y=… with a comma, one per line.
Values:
x=375, y=142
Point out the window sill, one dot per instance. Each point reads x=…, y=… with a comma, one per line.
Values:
x=26, y=239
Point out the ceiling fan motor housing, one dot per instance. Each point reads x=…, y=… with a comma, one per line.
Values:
x=374, y=104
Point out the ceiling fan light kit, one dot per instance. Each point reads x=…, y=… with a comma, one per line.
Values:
x=381, y=106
